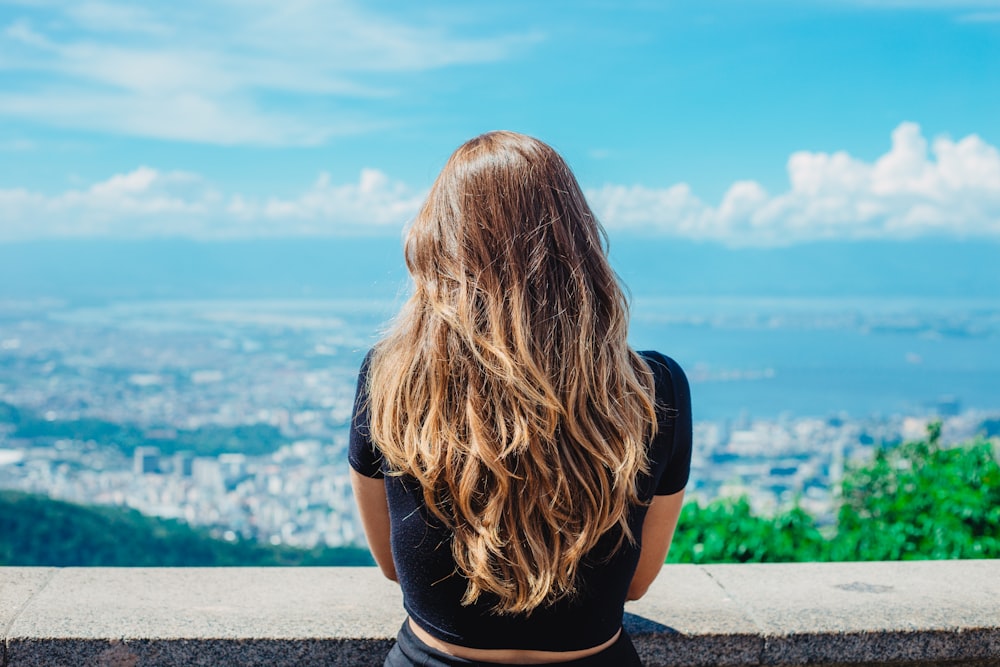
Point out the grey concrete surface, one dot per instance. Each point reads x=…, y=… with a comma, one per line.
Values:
x=17, y=586
x=214, y=603
x=124, y=617
x=914, y=613
x=838, y=597
x=686, y=618
x=870, y=612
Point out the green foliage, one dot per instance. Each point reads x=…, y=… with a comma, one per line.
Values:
x=36, y=530
x=211, y=440
x=727, y=531
x=123, y=436
x=921, y=500
x=917, y=500
x=249, y=439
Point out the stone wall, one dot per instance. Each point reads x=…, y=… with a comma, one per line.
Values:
x=913, y=613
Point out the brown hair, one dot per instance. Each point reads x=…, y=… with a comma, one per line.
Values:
x=506, y=386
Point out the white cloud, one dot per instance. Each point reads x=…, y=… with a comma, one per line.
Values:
x=111, y=17
x=374, y=202
x=952, y=188
x=138, y=203
x=182, y=116
x=220, y=71
x=150, y=203
x=943, y=187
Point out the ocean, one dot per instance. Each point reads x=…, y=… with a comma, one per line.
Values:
x=826, y=357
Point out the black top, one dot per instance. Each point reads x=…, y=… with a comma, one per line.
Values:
x=433, y=589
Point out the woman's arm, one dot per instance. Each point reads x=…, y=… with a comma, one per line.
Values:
x=657, y=532
x=369, y=493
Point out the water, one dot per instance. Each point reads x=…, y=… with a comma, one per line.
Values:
x=771, y=357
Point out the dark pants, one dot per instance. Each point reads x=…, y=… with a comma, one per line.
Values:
x=409, y=651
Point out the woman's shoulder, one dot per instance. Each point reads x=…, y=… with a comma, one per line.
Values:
x=664, y=368
x=673, y=394
x=366, y=364
x=670, y=449
x=652, y=357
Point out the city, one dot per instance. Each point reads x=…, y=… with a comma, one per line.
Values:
x=234, y=418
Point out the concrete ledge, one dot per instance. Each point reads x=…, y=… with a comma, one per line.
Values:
x=914, y=613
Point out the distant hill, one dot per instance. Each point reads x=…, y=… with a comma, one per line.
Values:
x=208, y=440
x=37, y=530
x=373, y=268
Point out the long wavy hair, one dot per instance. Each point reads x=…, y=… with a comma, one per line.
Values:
x=505, y=386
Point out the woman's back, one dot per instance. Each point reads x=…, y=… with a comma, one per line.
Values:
x=433, y=589
x=513, y=423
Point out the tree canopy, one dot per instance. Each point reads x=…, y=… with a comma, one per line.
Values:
x=916, y=500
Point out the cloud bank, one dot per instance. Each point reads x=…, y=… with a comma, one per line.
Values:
x=951, y=188
x=147, y=202
x=944, y=188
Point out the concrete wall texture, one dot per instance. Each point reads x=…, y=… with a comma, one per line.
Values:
x=908, y=613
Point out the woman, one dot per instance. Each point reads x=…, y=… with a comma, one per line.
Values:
x=519, y=469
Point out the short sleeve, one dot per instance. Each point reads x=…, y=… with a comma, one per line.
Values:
x=363, y=455
x=670, y=451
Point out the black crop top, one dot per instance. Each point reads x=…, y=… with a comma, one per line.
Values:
x=433, y=589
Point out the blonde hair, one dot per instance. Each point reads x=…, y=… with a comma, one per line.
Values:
x=506, y=387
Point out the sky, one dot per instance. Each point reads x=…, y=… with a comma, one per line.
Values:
x=742, y=122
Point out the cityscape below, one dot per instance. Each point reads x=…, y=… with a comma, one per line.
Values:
x=233, y=415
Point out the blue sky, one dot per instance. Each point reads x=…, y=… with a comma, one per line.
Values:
x=742, y=122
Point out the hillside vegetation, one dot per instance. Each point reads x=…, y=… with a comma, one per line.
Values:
x=208, y=440
x=36, y=530
x=918, y=500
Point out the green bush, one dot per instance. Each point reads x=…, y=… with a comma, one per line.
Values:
x=921, y=500
x=917, y=500
x=727, y=531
